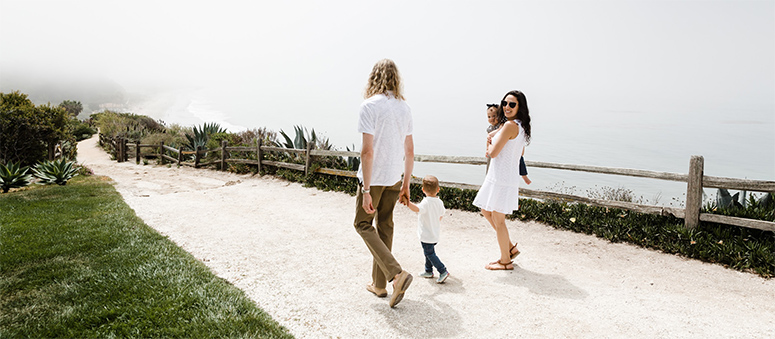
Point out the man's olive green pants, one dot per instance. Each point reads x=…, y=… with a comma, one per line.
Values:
x=379, y=239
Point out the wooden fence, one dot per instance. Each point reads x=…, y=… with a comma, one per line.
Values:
x=695, y=178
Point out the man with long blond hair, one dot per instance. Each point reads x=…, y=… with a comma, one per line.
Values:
x=385, y=122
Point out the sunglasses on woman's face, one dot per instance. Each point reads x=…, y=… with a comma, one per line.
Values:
x=504, y=103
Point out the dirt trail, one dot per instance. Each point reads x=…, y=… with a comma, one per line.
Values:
x=294, y=251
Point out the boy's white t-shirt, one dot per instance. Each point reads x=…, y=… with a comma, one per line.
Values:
x=428, y=220
x=389, y=120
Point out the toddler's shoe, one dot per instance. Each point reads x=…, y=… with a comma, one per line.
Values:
x=426, y=275
x=442, y=277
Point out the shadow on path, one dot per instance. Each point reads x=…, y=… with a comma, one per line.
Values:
x=550, y=285
x=427, y=317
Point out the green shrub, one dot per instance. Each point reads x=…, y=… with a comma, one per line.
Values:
x=249, y=137
x=762, y=208
x=169, y=139
x=736, y=247
x=126, y=125
x=26, y=130
x=82, y=130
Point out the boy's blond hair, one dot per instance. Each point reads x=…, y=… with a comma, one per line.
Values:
x=430, y=184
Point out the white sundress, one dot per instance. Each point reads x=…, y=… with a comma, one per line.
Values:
x=500, y=190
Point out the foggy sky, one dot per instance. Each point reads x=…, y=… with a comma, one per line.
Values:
x=650, y=47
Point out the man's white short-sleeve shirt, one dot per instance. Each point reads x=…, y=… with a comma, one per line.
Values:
x=429, y=219
x=389, y=120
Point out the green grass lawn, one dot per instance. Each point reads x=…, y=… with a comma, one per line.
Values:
x=76, y=262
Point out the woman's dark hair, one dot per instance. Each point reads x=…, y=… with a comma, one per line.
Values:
x=523, y=113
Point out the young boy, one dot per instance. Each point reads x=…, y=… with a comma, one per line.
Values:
x=430, y=210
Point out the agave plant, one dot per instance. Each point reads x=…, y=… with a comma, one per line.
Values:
x=202, y=135
x=767, y=201
x=55, y=172
x=302, y=137
x=726, y=200
x=353, y=162
x=12, y=176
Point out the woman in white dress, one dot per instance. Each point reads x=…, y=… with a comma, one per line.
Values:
x=499, y=194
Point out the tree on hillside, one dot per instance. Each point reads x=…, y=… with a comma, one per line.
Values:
x=72, y=107
x=29, y=133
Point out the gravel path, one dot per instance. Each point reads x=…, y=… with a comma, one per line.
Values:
x=294, y=251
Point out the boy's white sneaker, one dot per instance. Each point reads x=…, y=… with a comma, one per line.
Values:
x=426, y=275
x=442, y=277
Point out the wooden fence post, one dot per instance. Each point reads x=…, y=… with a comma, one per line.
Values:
x=124, y=152
x=196, y=156
x=120, y=149
x=180, y=155
x=161, y=152
x=694, y=192
x=259, y=154
x=51, y=149
x=116, y=146
x=309, y=158
x=115, y=143
x=223, y=154
x=137, y=152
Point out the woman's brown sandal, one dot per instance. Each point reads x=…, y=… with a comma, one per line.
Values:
x=512, y=253
x=499, y=266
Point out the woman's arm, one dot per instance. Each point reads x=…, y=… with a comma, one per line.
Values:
x=510, y=131
x=492, y=134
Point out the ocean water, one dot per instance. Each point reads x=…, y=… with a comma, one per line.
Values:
x=738, y=146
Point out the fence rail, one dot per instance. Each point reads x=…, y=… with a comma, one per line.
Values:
x=691, y=214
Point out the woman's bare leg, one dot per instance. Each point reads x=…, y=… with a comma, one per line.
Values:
x=499, y=221
x=489, y=216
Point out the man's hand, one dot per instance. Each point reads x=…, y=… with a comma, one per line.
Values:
x=403, y=197
x=402, y=200
x=367, y=205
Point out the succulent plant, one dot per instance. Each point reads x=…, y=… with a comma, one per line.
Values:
x=202, y=135
x=300, y=142
x=726, y=200
x=55, y=172
x=353, y=163
x=13, y=176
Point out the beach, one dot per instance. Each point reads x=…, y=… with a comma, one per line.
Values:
x=294, y=251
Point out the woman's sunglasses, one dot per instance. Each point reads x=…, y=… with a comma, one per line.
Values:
x=504, y=103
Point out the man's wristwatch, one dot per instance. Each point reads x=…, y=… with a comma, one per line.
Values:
x=364, y=190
